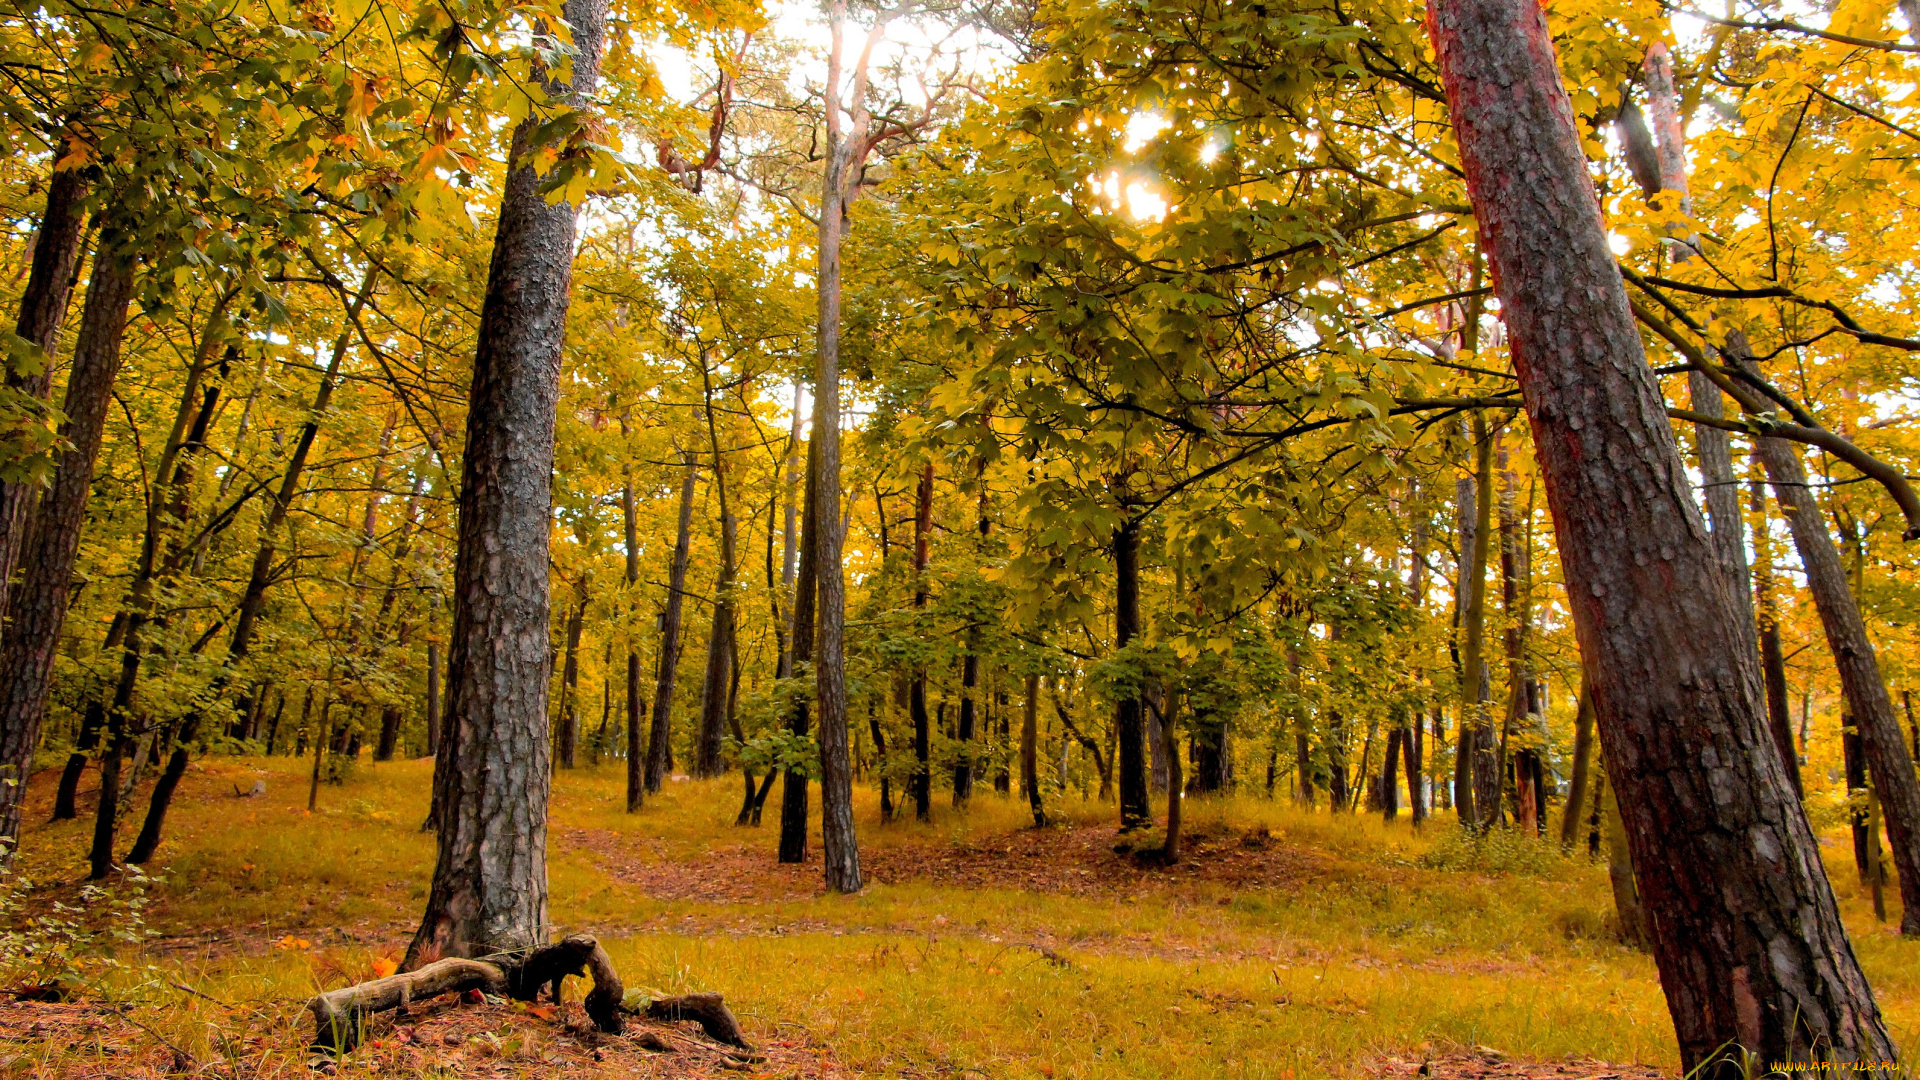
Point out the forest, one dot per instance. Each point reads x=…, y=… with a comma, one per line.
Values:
x=1012, y=538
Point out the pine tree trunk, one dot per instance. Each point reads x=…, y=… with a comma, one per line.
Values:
x=838, y=843
x=659, y=745
x=1746, y=932
x=43, y=308
x=489, y=889
x=39, y=604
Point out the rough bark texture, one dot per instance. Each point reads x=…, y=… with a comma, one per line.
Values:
x=490, y=877
x=1859, y=667
x=1746, y=933
x=43, y=308
x=39, y=605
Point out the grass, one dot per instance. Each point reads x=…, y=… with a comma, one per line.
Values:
x=1292, y=944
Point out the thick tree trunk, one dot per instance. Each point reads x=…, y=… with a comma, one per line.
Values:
x=1859, y=667
x=1746, y=933
x=1129, y=724
x=39, y=605
x=490, y=877
x=43, y=308
x=659, y=746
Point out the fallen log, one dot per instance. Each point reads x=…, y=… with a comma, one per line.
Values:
x=340, y=1016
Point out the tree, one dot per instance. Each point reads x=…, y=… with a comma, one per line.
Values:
x=1717, y=836
x=489, y=888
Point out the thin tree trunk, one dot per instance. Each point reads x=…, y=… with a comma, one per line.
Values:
x=489, y=889
x=659, y=748
x=433, y=698
x=720, y=673
x=570, y=678
x=1030, y=751
x=1718, y=838
x=793, y=792
x=922, y=782
x=1476, y=730
x=1130, y=725
x=39, y=605
x=636, y=747
x=1582, y=767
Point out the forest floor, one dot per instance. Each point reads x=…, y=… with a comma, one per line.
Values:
x=1287, y=944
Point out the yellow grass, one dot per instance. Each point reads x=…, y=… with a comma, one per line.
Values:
x=1362, y=949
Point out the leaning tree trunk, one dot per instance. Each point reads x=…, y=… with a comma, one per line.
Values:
x=660, y=742
x=1746, y=932
x=489, y=888
x=1860, y=682
x=39, y=607
x=43, y=308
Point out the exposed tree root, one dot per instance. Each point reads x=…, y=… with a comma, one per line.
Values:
x=707, y=1010
x=340, y=1016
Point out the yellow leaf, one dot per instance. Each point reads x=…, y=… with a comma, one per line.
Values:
x=383, y=967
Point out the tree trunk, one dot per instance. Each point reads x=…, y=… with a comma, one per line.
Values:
x=922, y=782
x=1389, y=775
x=39, y=605
x=1030, y=751
x=1746, y=933
x=841, y=849
x=659, y=748
x=570, y=678
x=1129, y=724
x=1475, y=725
x=433, y=698
x=1860, y=682
x=1582, y=767
x=636, y=749
x=43, y=309
x=720, y=674
x=793, y=793
x=1627, y=908
x=489, y=888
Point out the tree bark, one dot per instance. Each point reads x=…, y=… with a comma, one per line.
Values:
x=659, y=746
x=1860, y=682
x=1475, y=725
x=39, y=606
x=636, y=749
x=713, y=698
x=1746, y=932
x=433, y=698
x=43, y=308
x=489, y=887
